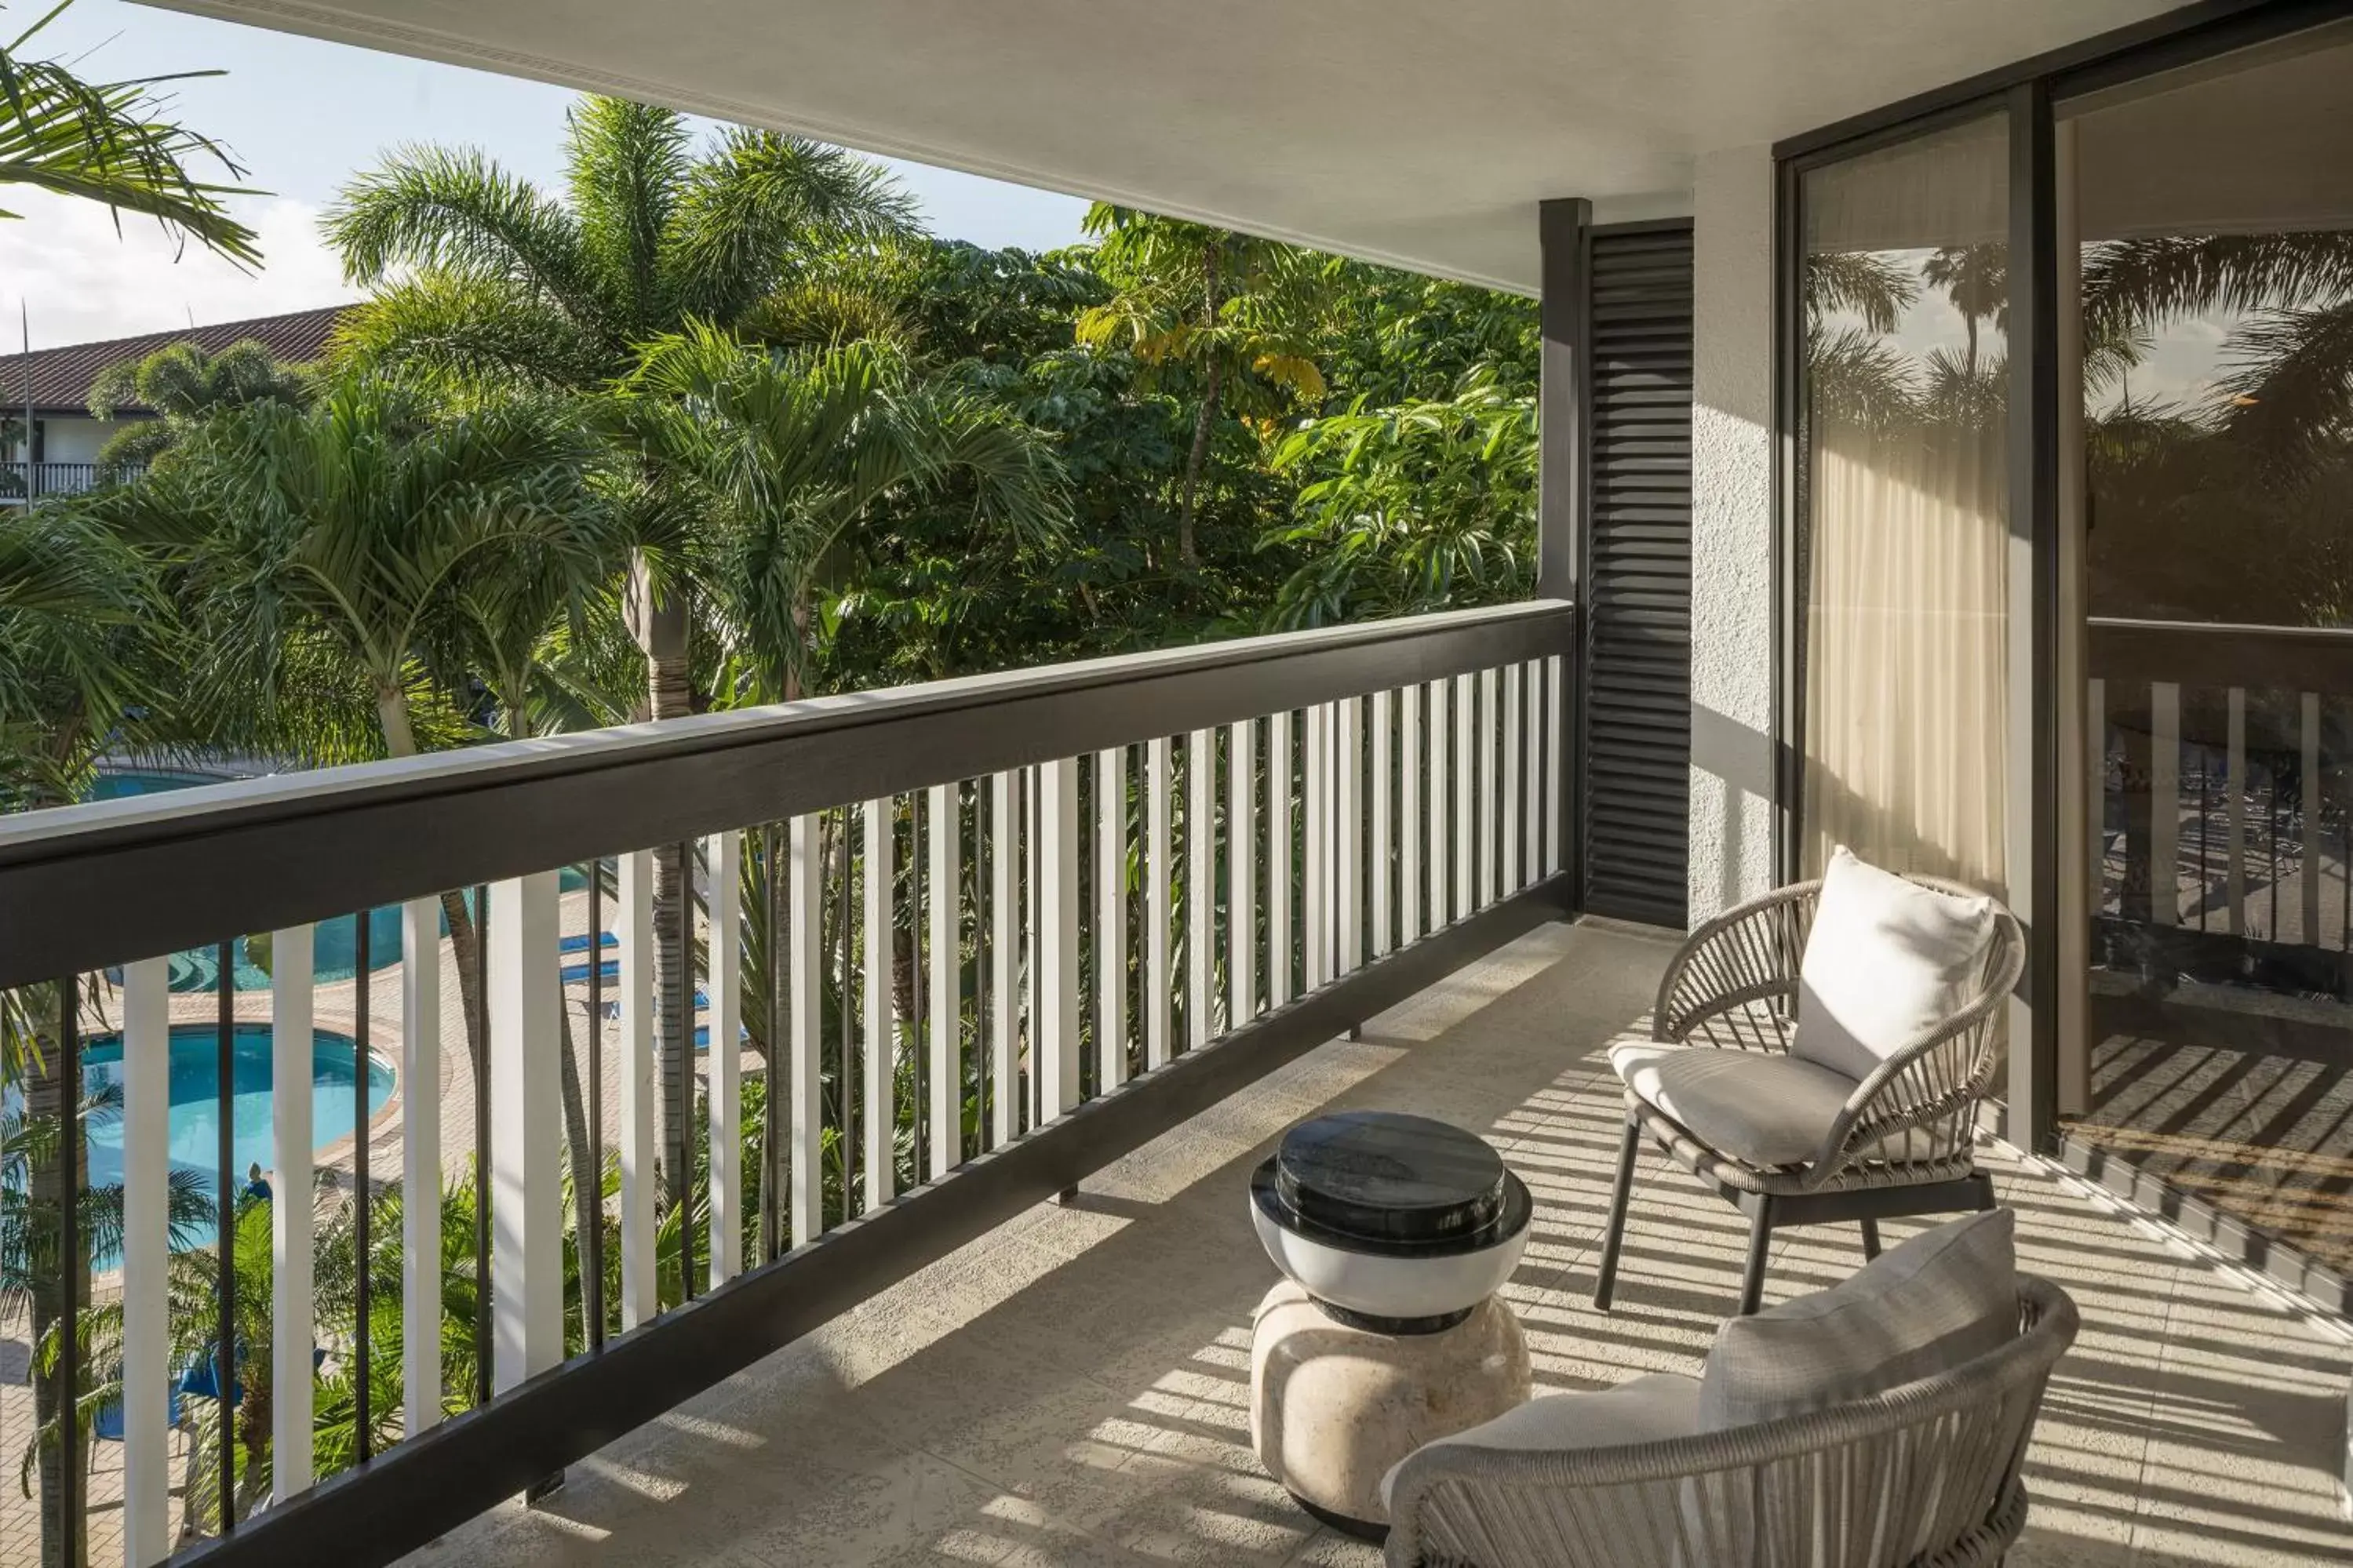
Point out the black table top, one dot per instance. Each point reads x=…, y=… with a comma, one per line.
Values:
x=1386, y=1176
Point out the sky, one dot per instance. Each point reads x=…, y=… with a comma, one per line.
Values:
x=302, y=116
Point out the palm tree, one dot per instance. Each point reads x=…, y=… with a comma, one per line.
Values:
x=504, y=281
x=1976, y=278
x=510, y=605
x=339, y=536
x=1237, y=316
x=110, y=141
x=185, y=382
x=788, y=451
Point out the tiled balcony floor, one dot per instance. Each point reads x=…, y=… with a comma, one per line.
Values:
x=1073, y=1388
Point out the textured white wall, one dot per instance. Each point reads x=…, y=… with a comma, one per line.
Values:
x=67, y=439
x=1732, y=529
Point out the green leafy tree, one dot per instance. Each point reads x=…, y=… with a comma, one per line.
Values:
x=1416, y=507
x=1237, y=318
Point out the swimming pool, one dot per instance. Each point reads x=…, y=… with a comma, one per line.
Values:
x=194, y=1119
x=335, y=944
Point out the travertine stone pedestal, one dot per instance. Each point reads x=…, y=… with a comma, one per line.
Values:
x=1332, y=1408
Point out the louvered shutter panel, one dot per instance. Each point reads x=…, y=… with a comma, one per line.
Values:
x=1636, y=628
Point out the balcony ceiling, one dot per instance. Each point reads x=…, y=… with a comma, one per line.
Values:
x=1421, y=135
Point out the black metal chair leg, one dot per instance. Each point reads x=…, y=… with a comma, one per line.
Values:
x=1870, y=1239
x=1627, y=1149
x=1986, y=1198
x=1760, y=1242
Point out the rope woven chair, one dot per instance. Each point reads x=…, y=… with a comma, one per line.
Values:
x=1925, y=1475
x=1903, y=1144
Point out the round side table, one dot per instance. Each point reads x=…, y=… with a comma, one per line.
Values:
x=1393, y=1231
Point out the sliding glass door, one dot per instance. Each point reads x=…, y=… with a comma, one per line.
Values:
x=2207, y=353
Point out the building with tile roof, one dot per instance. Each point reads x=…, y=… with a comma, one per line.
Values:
x=56, y=383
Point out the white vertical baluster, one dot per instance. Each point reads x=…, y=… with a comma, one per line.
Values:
x=1472, y=797
x=1556, y=722
x=1200, y=886
x=1508, y=845
x=1442, y=826
x=1532, y=787
x=1348, y=836
x=1004, y=956
x=724, y=1091
x=1111, y=919
x=526, y=1130
x=1316, y=915
x=2095, y=786
x=1489, y=796
x=1160, y=871
x=420, y=1162
x=1241, y=873
x=1409, y=829
x=1379, y=867
x=638, y=1096
x=804, y=894
x=1055, y=1028
x=2164, y=803
x=146, y=1312
x=2308, y=728
x=1033, y=794
x=2237, y=815
x=1280, y=951
x=944, y=887
x=877, y=1125
x=291, y=1086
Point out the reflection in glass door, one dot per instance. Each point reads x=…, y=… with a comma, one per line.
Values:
x=2212, y=513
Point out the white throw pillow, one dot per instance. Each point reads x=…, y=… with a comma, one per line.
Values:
x=1940, y=1300
x=1886, y=962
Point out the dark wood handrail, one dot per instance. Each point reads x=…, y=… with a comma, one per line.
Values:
x=2222, y=655
x=88, y=886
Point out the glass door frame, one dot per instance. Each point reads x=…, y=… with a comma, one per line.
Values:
x=2044, y=570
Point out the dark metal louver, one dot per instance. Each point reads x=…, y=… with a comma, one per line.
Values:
x=1637, y=577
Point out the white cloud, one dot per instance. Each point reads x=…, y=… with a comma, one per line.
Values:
x=80, y=279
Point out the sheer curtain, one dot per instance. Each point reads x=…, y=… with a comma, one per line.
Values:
x=1904, y=555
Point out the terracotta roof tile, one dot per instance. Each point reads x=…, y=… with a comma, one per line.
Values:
x=61, y=377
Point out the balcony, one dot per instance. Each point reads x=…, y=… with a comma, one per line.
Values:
x=1072, y=1388
x=21, y=481
x=1095, y=931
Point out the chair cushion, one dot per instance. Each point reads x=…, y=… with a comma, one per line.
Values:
x=1761, y=1108
x=1938, y=1301
x=1886, y=962
x=1648, y=1409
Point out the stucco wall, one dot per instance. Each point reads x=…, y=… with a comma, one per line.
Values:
x=1732, y=533
x=64, y=438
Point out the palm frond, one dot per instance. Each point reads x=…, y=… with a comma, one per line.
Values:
x=111, y=142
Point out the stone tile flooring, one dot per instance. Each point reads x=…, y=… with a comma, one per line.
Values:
x=1072, y=1388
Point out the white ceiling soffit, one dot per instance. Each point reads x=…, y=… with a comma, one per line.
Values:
x=1418, y=134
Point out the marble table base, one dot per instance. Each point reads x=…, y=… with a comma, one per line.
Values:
x=1333, y=1407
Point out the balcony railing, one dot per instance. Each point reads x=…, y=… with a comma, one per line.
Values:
x=21, y=481
x=2219, y=771
x=982, y=936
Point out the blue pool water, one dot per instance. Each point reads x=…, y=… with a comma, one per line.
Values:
x=194, y=1116
x=335, y=944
